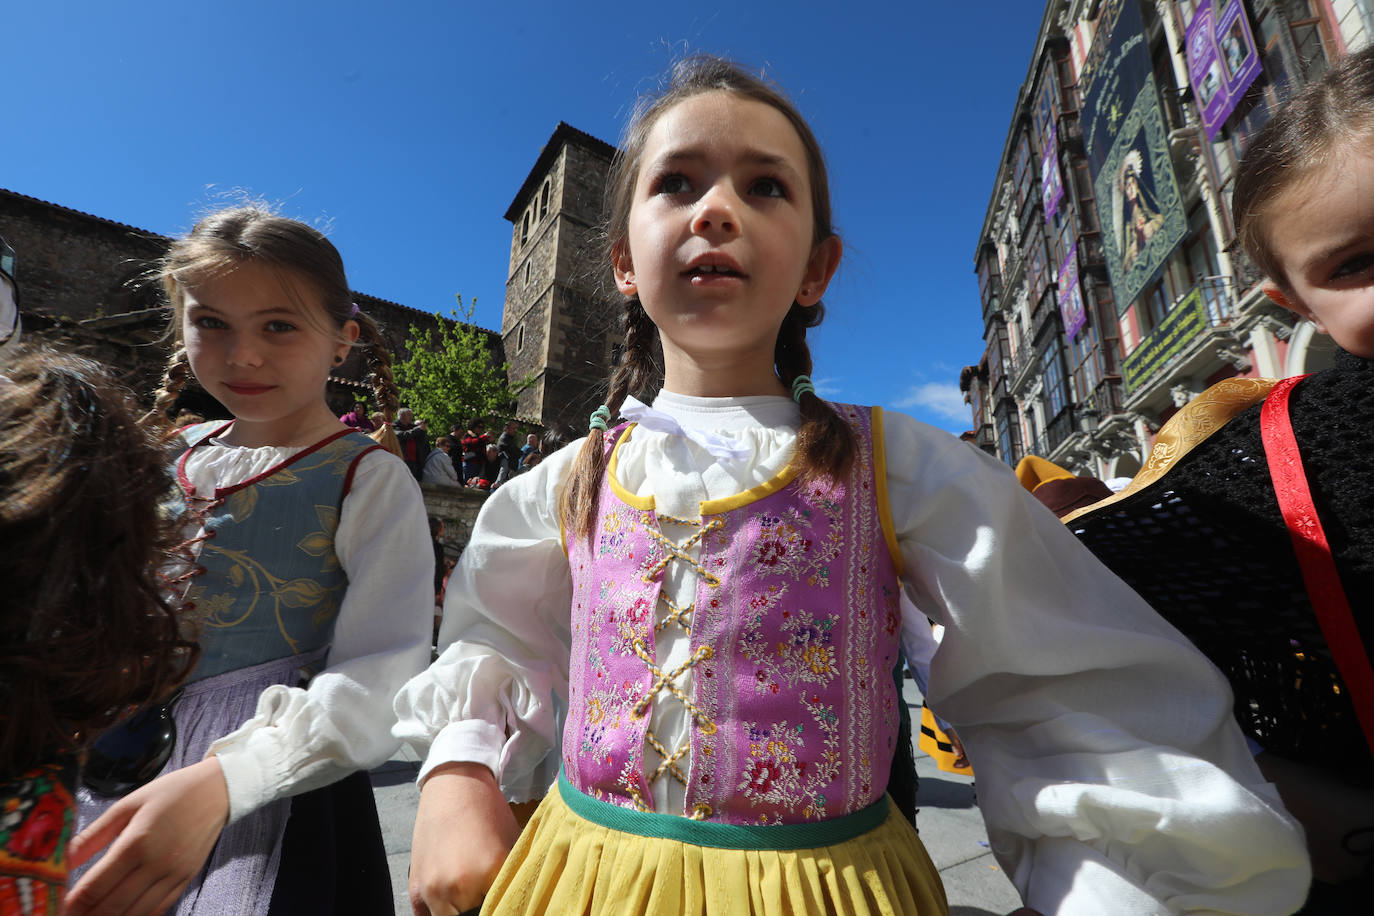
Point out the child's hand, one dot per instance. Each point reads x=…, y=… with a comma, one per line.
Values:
x=463, y=831
x=162, y=834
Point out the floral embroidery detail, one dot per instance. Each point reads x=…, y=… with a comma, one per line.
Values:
x=792, y=619
x=785, y=545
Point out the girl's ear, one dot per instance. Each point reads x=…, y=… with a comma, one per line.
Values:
x=1292, y=303
x=349, y=332
x=825, y=260
x=624, y=269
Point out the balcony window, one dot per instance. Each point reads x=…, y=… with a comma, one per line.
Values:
x=1155, y=306
x=1008, y=434
x=1023, y=176
x=1037, y=269
x=989, y=277
x=1053, y=382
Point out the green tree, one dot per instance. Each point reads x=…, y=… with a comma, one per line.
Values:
x=450, y=375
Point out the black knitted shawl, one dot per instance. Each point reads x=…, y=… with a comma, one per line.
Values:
x=1207, y=547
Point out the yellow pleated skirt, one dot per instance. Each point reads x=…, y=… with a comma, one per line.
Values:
x=567, y=865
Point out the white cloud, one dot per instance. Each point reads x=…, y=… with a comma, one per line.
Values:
x=828, y=388
x=946, y=401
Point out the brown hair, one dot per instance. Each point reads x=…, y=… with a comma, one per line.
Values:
x=85, y=631
x=1305, y=135
x=229, y=238
x=825, y=443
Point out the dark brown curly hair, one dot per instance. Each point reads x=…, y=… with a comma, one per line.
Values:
x=85, y=631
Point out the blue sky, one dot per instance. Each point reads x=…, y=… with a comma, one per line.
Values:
x=405, y=130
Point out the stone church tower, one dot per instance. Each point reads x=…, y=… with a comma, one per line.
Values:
x=560, y=322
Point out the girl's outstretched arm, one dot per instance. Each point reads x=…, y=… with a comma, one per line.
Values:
x=458, y=800
x=487, y=705
x=504, y=643
x=1111, y=772
x=162, y=834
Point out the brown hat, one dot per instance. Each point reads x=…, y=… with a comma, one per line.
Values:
x=1060, y=491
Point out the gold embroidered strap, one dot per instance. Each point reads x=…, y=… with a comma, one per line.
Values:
x=1202, y=416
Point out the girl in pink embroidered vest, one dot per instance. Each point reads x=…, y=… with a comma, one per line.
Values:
x=711, y=595
x=312, y=586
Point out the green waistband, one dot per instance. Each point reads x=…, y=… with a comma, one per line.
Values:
x=722, y=836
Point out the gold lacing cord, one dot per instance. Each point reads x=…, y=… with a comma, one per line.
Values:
x=674, y=551
x=677, y=615
x=681, y=616
x=666, y=682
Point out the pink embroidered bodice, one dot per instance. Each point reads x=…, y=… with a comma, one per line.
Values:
x=794, y=631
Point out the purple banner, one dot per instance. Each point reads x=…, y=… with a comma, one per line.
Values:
x=1222, y=60
x=1051, y=187
x=1070, y=298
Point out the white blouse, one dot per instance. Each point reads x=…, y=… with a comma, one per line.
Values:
x=301, y=739
x=1110, y=770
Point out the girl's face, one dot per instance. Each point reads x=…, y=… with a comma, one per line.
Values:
x=719, y=242
x=253, y=349
x=1322, y=233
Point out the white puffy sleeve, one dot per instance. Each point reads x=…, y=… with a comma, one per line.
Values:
x=301, y=739
x=491, y=696
x=1111, y=774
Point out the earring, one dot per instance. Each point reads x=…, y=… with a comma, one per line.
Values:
x=338, y=360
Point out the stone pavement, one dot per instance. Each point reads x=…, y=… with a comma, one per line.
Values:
x=951, y=828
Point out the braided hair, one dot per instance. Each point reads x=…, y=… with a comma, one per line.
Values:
x=825, y=442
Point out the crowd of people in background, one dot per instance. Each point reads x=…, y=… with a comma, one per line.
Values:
x=466, y=457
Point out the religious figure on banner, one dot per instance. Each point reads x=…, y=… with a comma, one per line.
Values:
x=1135, y=207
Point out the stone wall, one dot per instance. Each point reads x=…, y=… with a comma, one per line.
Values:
x=457, y=507
x=73, y=265
x=86, y=283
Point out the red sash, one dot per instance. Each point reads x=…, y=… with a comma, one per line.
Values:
x=1319, y=573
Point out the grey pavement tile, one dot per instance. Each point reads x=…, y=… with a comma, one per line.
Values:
x=979, y=887
x=400, y=872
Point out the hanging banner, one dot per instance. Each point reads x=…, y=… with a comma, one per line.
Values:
x=1046, y=136
x=1070, y=297
x=1222, y=61
x=1187, y=320
x=1138, y=203
x=1051, y=187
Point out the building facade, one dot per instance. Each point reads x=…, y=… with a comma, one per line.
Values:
x=1112, y=287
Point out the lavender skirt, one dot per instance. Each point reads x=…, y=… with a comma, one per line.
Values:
x=241, y=872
